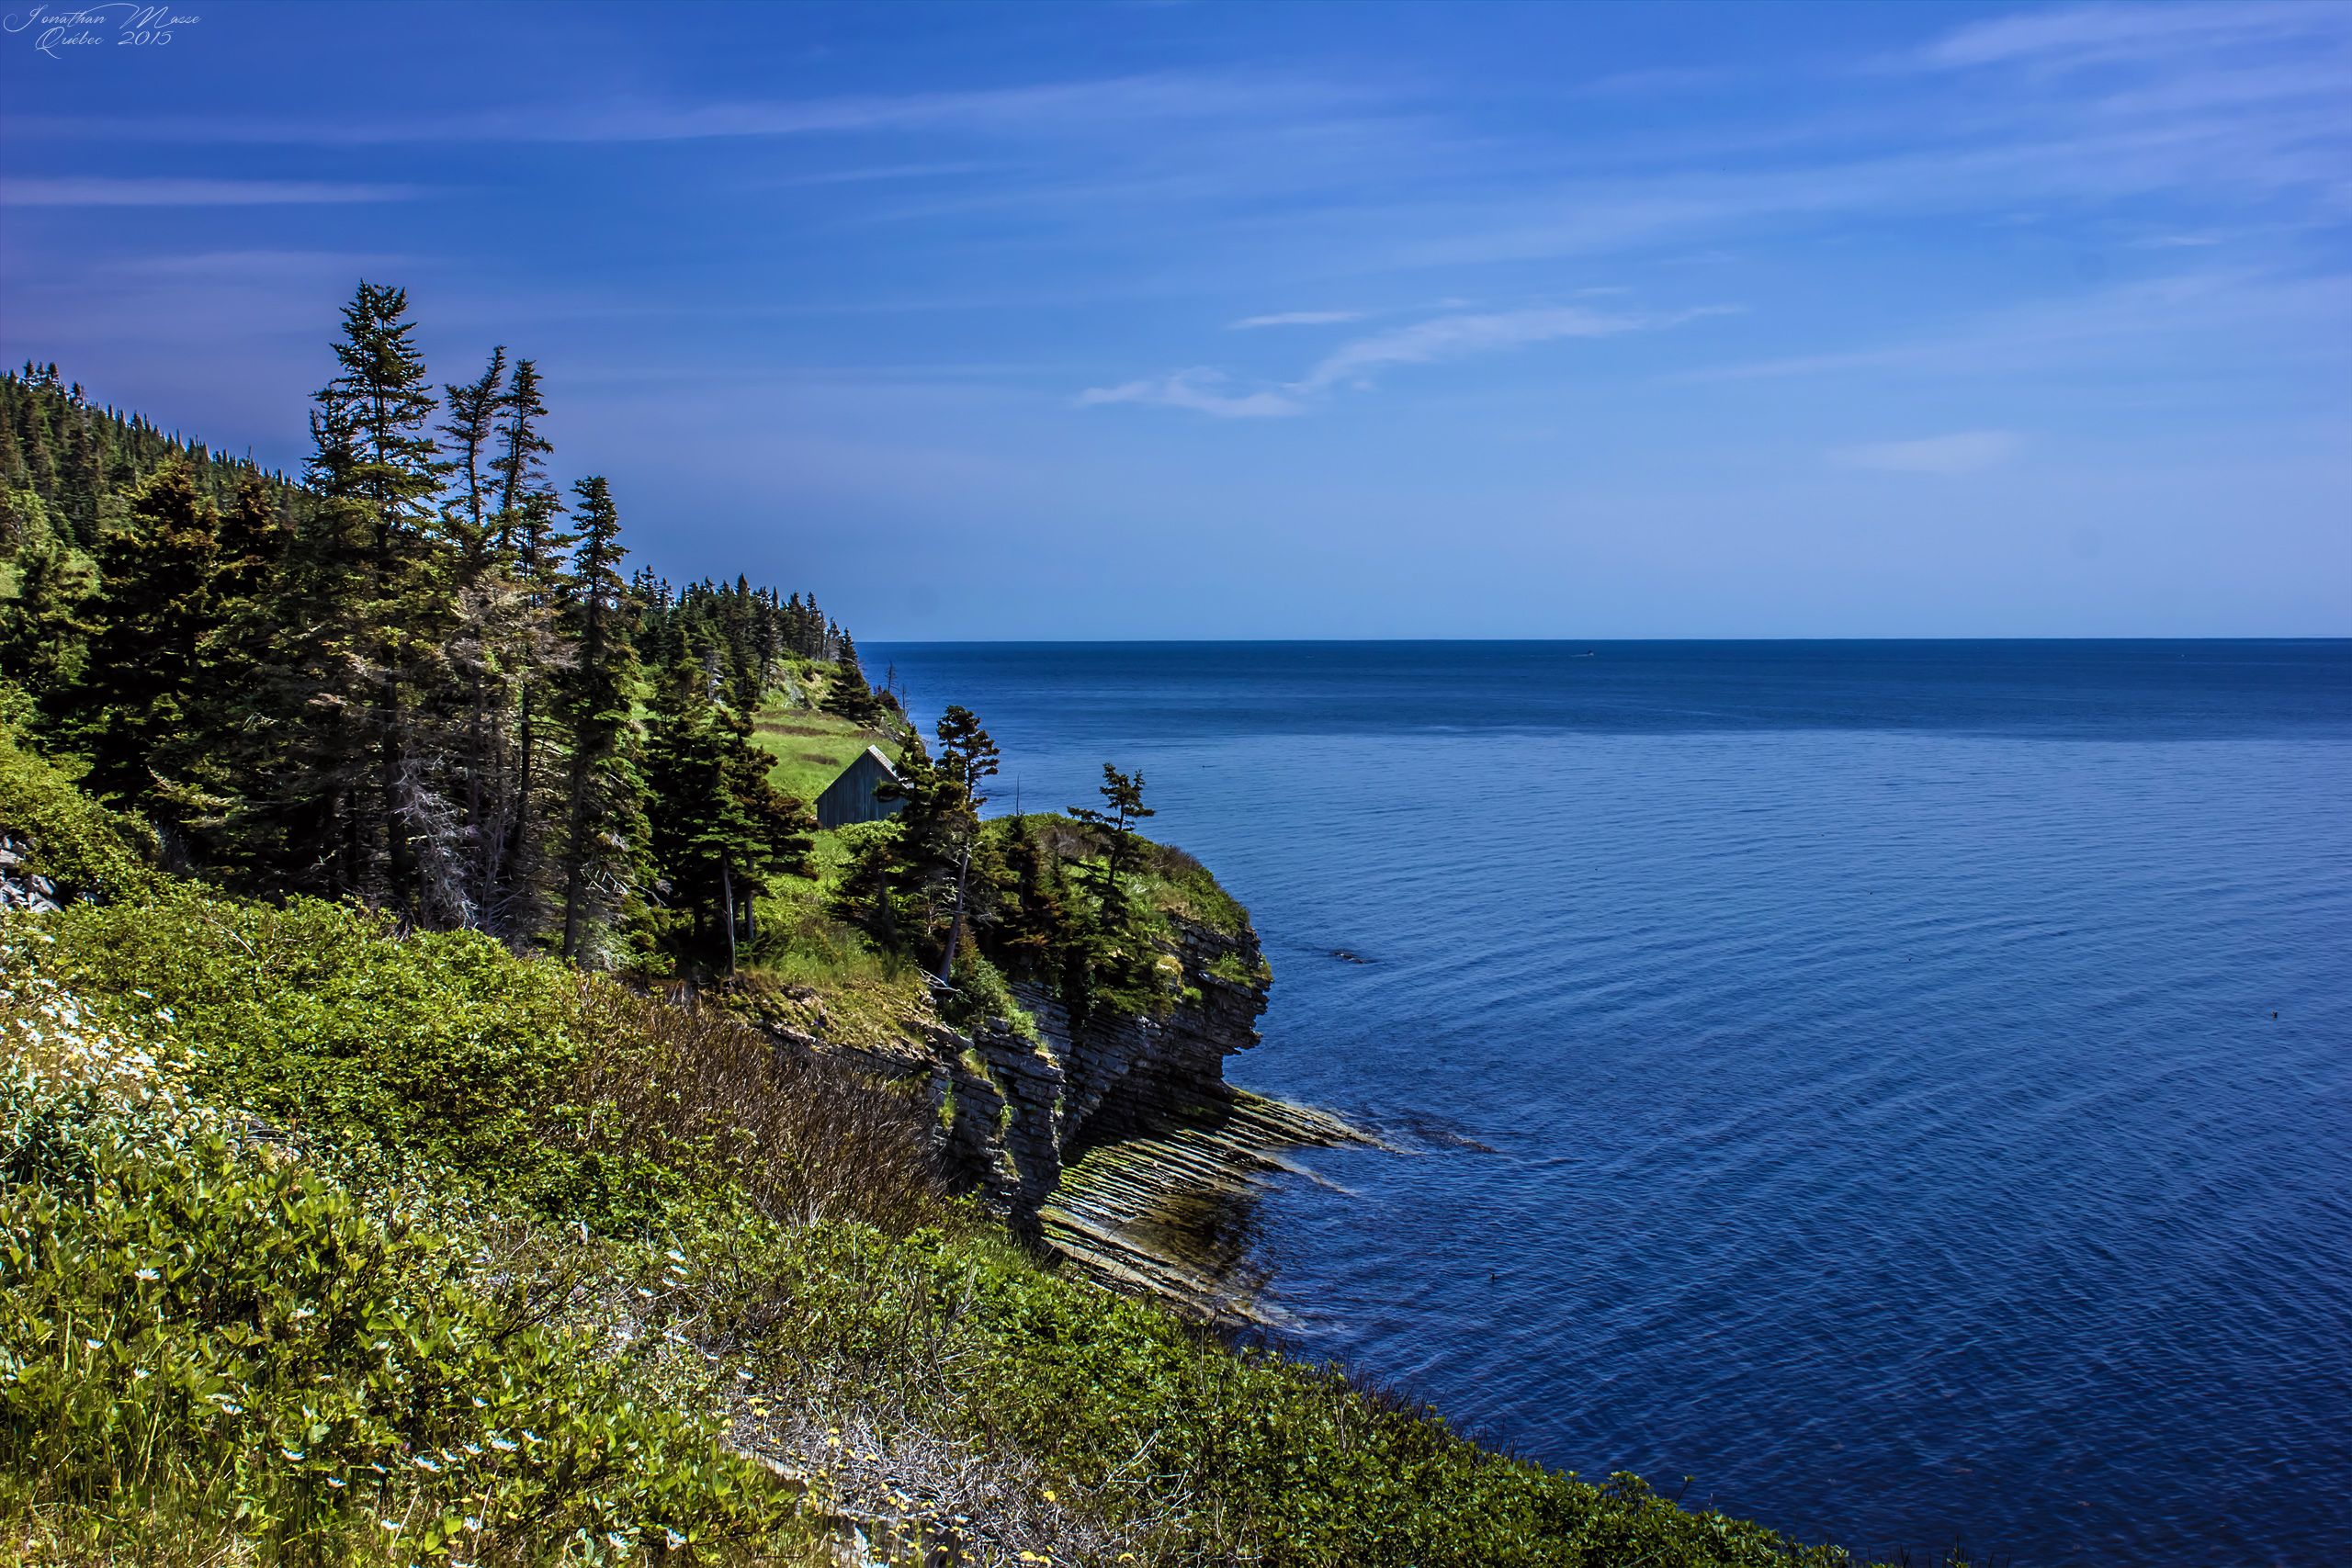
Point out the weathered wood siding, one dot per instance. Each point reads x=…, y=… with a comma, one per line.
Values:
x=851, y=797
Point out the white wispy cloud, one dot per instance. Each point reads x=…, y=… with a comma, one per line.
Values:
x=2094, y=35
x=1294, y=318
x=1453, y=337
x=1355, y=365
x=1201, y=390
x=100, y=192
x=1961, y=452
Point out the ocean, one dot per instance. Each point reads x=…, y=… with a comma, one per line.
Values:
x=1898, y=1091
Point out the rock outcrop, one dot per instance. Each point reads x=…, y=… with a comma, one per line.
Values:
x=1013, y=1110
x=1115, y=1141
x=21, y=886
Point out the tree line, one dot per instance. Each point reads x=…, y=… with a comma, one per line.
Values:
x=426, y=677
x=423, y=676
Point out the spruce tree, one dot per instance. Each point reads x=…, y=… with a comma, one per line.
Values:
x=719, y=826
x=45, y=629
x=604, y=825
x=968, y=757
x=1114, y=823
x=472, y=428
x=152, y=609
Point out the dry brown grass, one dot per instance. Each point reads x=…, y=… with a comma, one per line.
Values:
x=804, y=1138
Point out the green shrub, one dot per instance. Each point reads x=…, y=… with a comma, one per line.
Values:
x=237, y=1334
x=68, y=838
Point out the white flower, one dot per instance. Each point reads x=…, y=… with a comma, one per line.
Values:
x=291, y=1453
x=145, y=1274
x=503, y=1445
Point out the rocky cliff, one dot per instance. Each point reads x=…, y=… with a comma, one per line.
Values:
x=1013, y=1110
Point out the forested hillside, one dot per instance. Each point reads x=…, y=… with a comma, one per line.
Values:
x=422, y=676
x=426, y=677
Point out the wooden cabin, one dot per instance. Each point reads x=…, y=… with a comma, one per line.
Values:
x=852, y=797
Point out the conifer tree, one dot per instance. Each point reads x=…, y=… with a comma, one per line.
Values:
x=604, y=825
x=138, y=690
x=45, y=629
x=1113, y=822
x=342, y=769
x=718, y=824
x=968, y=757
x=849, y=696
x=530, y=534
x=473, y=427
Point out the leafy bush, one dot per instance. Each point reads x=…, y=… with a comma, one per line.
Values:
x=68, y=838
x=192, y=1331
x=239, y=1334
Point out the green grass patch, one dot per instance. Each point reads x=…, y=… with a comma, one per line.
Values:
x=811, y=748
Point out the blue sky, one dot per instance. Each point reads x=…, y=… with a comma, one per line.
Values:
x=1165, y=320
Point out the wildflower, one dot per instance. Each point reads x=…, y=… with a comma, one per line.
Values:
x=391, y=1525
x=480, y=1402
x=676, y=1257
x=677, y=1541
x=503, y=1445
x=473, y=1523
x=646, y=1293
x=291, y=1453
x=96, y=1344
x=145, y=1274
x=425, y=1464
x=744, y=1372
x=336, y=1482
x=231, y=1407
x=529, y=1436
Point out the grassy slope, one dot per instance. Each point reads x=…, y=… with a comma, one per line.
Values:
x=811, y=747
x=621, y=1228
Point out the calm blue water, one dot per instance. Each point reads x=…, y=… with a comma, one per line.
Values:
x=1844, y=1075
